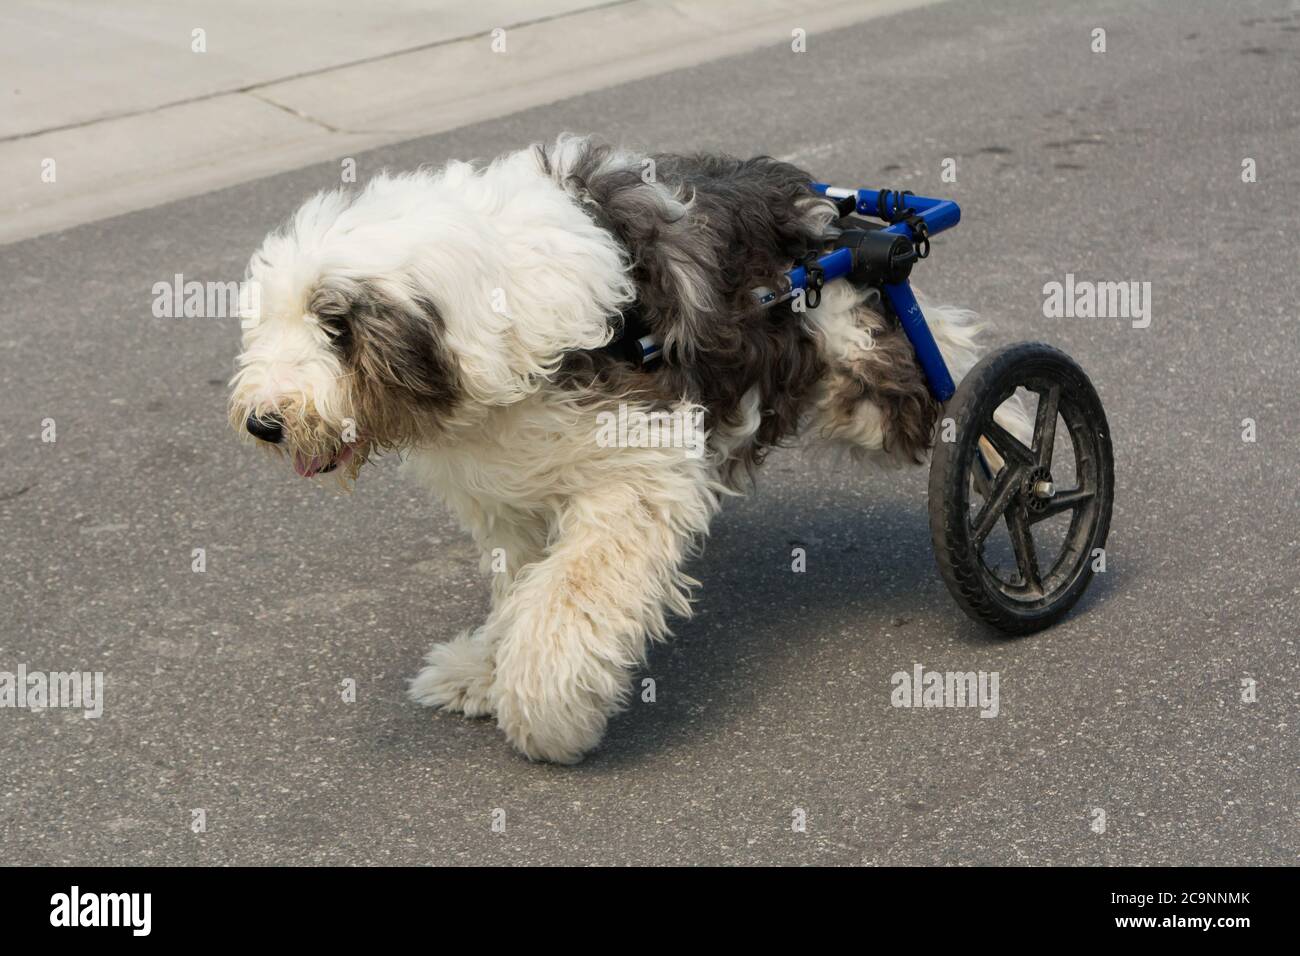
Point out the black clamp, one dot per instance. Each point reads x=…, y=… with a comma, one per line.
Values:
x=814, y=280
x=891, y=206
x=920, y=235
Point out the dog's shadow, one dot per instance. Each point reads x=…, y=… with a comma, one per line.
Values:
x=776, y=582
x=777, y=578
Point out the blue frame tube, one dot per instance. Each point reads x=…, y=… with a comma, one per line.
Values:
x=939, y=214
x=928, y=356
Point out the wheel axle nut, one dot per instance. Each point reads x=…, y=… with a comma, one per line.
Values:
x=1044, y=489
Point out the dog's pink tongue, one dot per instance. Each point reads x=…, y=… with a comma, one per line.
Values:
x=306, y=467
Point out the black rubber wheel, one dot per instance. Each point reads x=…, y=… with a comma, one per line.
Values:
x=972, y=494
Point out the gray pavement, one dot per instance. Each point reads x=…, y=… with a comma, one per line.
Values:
x=224, y=687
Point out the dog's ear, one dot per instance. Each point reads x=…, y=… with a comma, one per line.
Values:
x=392, y=342
x=330, y=301
x=333, y=306
x=401, y=343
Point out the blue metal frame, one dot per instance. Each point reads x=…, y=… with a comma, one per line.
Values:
x=889, y=206
x=938, y=215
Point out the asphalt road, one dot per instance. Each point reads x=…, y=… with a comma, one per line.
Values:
x=223, y=688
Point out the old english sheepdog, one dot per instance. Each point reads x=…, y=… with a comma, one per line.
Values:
x=464, y=318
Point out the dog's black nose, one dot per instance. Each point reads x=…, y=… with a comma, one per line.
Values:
x=267, y=428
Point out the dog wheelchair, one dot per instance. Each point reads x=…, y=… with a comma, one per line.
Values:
x=981, y=475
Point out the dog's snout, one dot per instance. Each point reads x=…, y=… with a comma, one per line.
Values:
x=269, y=428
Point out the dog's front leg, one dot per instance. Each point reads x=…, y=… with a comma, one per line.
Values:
x=575, y=623
x=458, y=673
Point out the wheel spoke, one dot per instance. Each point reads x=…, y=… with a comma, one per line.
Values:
x=1007, y=444
x=1063, y=501
x=984, y=471
x=1004, y=489
x=1045, y=425
x=1022, y=542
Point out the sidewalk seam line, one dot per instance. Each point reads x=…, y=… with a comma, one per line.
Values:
x=129, y=114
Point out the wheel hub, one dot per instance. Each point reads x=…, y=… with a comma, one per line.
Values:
x=1039, y=489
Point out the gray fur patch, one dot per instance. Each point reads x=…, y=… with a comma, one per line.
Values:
x=702, y=234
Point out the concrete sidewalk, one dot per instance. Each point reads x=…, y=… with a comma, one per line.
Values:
x=110, y=111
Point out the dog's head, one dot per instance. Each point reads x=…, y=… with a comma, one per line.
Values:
x=404, y=312
x=343, y=367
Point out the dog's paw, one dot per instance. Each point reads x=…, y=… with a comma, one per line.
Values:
x=458, y=677
x=547, y=732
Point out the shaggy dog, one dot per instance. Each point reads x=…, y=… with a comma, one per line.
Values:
x=464, y=318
